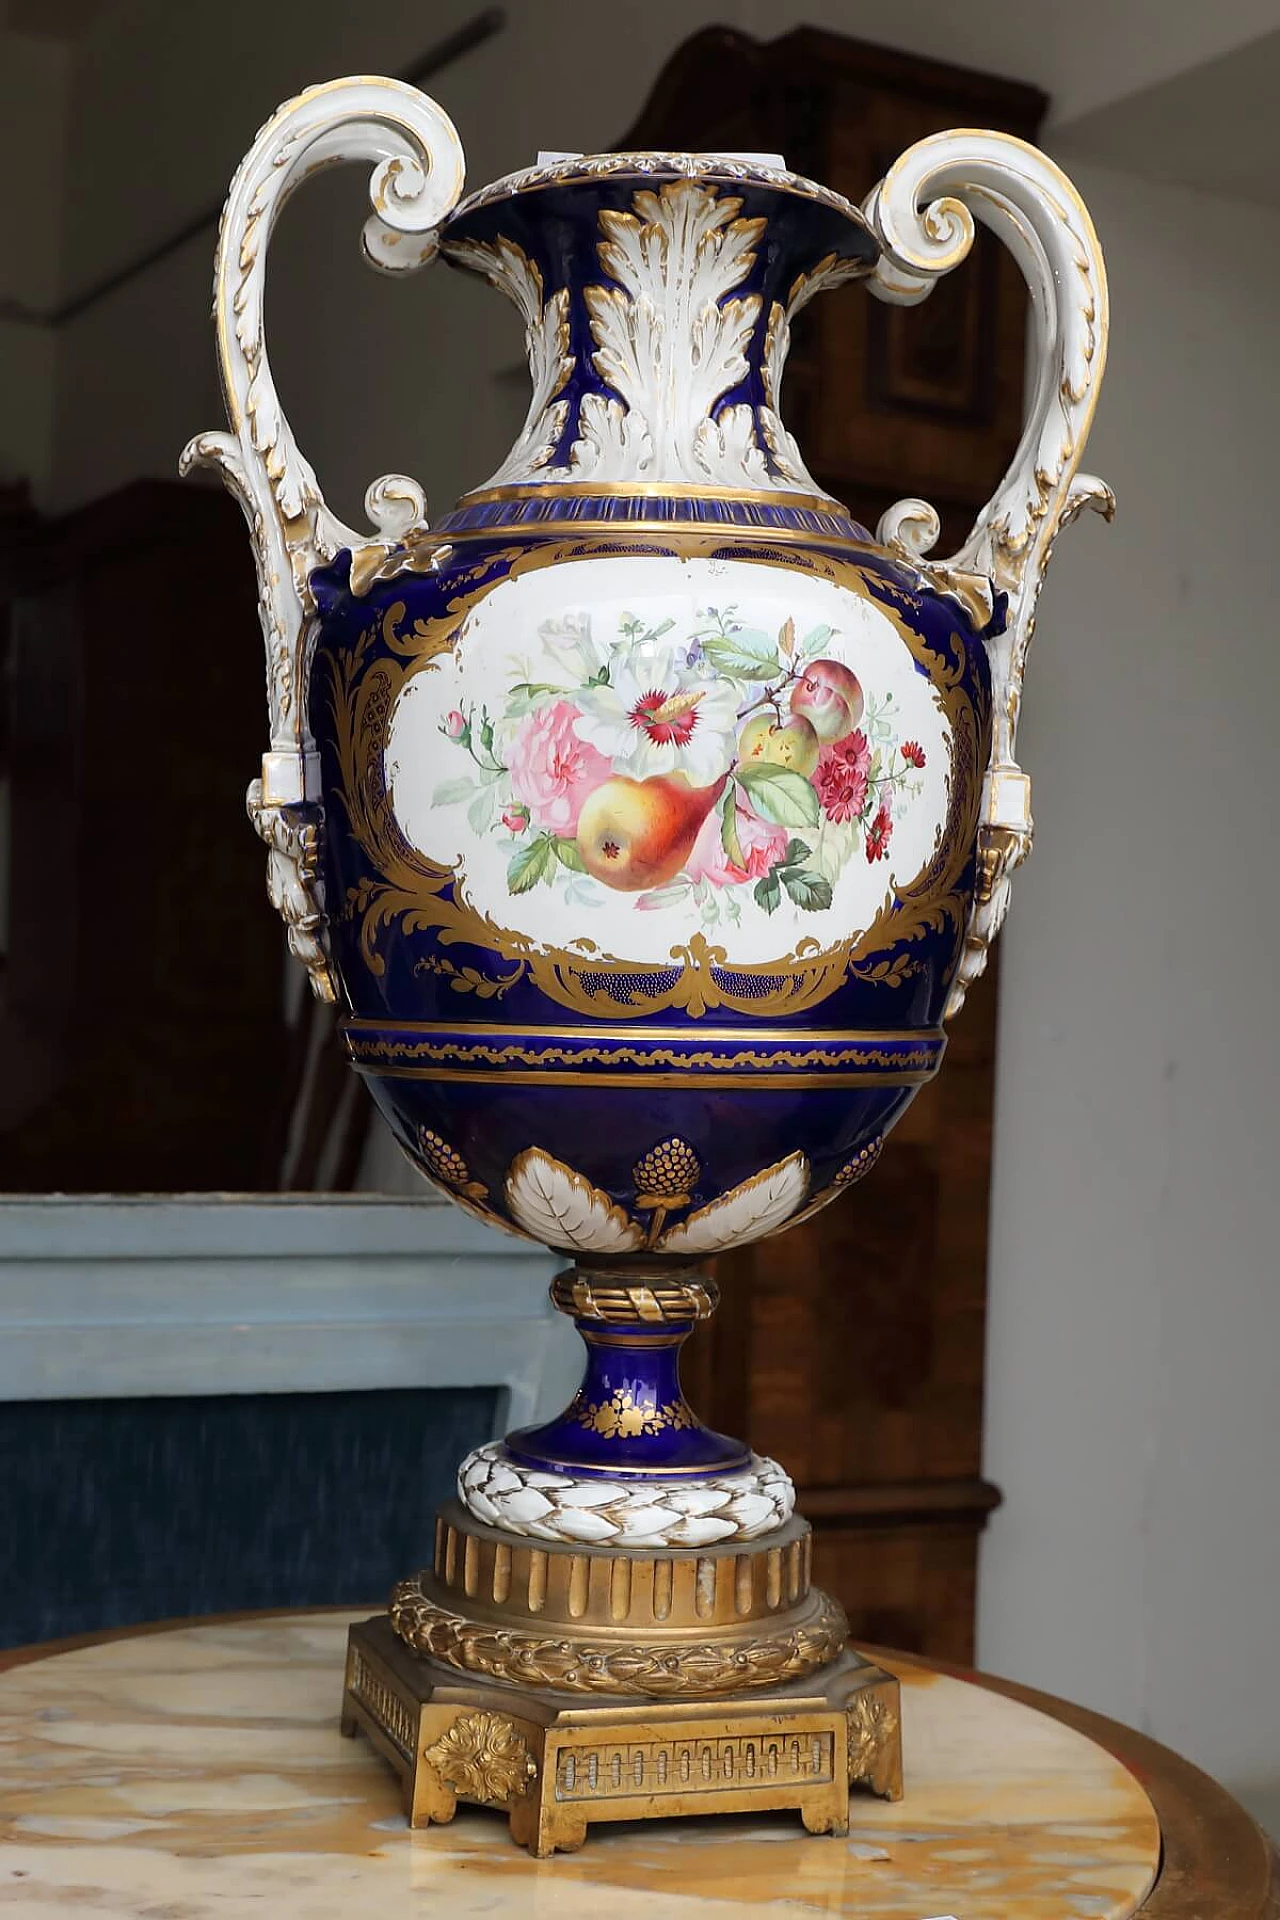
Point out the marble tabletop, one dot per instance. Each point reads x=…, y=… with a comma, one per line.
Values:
x=198, y=1773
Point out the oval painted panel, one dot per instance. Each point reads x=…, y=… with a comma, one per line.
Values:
x=622, y=752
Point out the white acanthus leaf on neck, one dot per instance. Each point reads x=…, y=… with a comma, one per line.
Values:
x=669, y=340
x=671, y=337
x=546, y=336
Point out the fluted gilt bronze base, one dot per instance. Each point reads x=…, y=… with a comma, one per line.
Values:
x=573, y=1685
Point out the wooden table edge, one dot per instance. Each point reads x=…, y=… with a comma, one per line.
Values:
x=1216, y=1863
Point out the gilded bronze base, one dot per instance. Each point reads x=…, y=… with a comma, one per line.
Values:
x=572, y=1685
x=557, y=1763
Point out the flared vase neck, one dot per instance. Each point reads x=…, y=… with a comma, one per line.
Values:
x=657, y=292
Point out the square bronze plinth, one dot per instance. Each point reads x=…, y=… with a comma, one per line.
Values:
x=556, y=1763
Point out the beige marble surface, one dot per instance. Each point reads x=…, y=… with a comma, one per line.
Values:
x=198, y=1774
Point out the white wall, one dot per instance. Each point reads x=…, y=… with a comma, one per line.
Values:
x=1133, y=1418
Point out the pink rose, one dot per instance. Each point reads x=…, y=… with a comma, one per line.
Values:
x=552, y=771
x=455, y=724
x=516, y=819
x=761, y=843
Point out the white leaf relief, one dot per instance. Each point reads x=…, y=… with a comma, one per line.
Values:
x=757, y=1207
x=669, y=340
x=610, y=438
x=508, y=267
x=830, y=271
x=728, y=444
x=557, y=1206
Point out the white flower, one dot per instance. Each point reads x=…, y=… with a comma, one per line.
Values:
x=568, y=643
x=657, y=715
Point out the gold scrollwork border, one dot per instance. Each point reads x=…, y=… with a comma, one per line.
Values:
x=406, y=886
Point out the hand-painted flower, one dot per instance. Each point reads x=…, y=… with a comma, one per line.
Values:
x=913, y=753
x=455, y=724
x=552, y=769
x=841, y=778
x=568, y=642
x=879, y=834
x=516, y=818
x=657, y=715
x=762, y=845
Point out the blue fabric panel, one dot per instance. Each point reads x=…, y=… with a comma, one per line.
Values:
x=119, y=1511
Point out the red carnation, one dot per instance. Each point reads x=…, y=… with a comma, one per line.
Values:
x=841, y=777
x=879, y=834
x=913, y=753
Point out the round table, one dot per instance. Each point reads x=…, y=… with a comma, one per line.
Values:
x=197, y=1770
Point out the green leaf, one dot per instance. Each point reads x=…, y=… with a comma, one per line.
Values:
x=814, y=641
x=808, y=890
x=530, y=864
x=483, y=810
x=451, y=791
x=668, y=896
x=568, y=856
x=837, y=843
x=767, y=892
x=784, y=798
x=532, y=689
x=745, y=655
x=729, y=828
x=797, y=851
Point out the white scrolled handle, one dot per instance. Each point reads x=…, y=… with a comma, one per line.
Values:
x=924, y=212
x=417, y=178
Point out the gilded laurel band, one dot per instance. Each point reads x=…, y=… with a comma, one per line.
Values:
x=662, y=1670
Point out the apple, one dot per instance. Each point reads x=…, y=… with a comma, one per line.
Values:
x=830, y=698
x=634, y=834
x=795, y=745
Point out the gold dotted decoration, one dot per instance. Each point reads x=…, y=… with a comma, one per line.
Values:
x=666, y=1175
x=858, y=1168
x=448, y=1165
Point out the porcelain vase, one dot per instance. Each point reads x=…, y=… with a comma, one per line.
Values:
x=647, y=817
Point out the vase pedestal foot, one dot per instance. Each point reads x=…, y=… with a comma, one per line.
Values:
x=557, y=1763
x=568, y=1685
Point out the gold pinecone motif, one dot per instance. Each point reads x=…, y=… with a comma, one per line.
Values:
x=858, y=1168
x=666, y=1175
x=448, y=1165
x=485, y=1757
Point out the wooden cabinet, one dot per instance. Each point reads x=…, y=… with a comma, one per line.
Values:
x=852, y=1348
x=142, y=987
